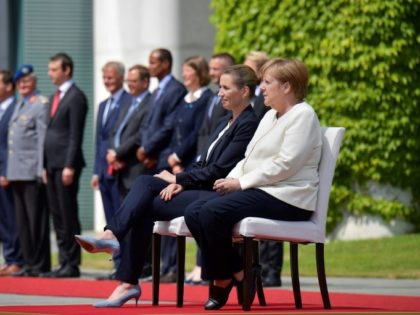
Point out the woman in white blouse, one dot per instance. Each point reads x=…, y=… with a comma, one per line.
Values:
x=277, y=179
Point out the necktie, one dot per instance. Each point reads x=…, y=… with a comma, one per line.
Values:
x=214, y=101
x=156, y=94
x=55, y=102
x=2, y=111
x=117, y=139
x=108, y=111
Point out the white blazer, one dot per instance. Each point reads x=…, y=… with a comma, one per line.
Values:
x=283, y=156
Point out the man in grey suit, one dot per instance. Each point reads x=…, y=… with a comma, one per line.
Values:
x=125, y=138
x=26, y=137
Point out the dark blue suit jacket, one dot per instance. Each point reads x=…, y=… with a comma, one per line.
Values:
x=104, y=134
x=4, y=128
x=187, y=123
x=228, y=151
x=161, y=120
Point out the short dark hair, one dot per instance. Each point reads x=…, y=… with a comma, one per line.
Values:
x=143, y=71
x=164, y=55
x=7, y=77
x=228, y=58
x=66, y=61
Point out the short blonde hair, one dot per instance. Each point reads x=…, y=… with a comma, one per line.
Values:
x=289, y=70
x=259, y=57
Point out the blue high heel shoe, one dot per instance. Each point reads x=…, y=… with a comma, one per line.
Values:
x=93, y=245
x=133, y=293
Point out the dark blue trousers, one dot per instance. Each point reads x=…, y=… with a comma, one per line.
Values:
x=8, y=233
x=133, y=222
x=211, y=220
x=110, y=196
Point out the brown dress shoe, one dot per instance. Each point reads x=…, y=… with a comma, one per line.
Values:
x=9, y=270
x=170, y=277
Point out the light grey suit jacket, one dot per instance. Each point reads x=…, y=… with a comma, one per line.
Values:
x=27, y=129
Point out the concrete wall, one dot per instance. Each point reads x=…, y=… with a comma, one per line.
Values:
x=128, y=30
x=4, y=35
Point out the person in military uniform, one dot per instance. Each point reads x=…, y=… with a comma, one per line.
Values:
x=27, y=129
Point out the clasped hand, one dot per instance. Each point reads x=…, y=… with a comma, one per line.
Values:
x=226, y=185
x=170, y=191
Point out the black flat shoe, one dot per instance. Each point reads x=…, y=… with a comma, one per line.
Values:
x=218, y=297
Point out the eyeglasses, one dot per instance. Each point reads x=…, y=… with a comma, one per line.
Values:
x=132, y=81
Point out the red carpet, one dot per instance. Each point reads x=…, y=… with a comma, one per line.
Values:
x=279, y=301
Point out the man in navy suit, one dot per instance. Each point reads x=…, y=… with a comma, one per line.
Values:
x=165, y=99
x=8, y=234
x=108, y=112
x=64, y=161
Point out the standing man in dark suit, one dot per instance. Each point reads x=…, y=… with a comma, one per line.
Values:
x=8, y=235
x=131, y=122
x=108, y=112
x=165, y=99
x=27, y=129
x=63, y=161
x=214, y=110
x=255, y=60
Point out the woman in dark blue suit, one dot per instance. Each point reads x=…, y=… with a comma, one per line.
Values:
x=180, y=153
x=166, y=195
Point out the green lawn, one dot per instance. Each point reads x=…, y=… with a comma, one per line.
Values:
x=395, y=257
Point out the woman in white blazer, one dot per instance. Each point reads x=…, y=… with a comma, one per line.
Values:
x=277, y=179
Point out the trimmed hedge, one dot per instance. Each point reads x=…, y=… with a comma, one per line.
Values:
x=364, y=61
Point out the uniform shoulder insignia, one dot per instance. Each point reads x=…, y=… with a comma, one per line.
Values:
x=32, y=99
x=43, y=99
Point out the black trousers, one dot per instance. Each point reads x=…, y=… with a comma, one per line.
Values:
x=64, y=208
x=211, y=220
x=8, y=234
x=271, y=259
x=133, y=222
x=32, y=224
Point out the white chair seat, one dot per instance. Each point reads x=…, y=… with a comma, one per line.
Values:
x=175, y=227
x=299, y=231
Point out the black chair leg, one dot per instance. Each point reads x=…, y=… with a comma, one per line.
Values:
x=180, y=275
x=248, y=279
x=320, y=266
x=258, y=280
x=155, y=268
x=294, y=269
